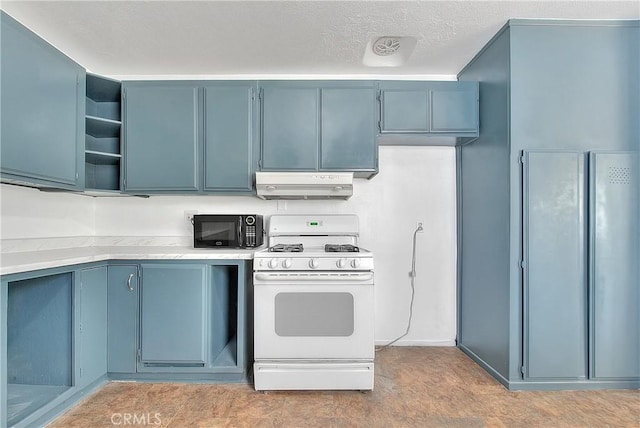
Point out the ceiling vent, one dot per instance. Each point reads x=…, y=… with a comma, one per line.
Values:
x=386, y=46
x=388, y=51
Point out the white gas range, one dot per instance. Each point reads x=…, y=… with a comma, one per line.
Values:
x=313, y=305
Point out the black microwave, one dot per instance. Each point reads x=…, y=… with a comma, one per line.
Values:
x=227, y=231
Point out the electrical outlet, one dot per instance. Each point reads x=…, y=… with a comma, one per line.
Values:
x=419, y=226
x=188, y=215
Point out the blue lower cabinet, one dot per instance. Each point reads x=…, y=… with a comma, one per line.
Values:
x=65, y=330
x=39, y=343
x=122, y=316
x=178, y=320
x=92, y=346
x=173, y=307
x=37, y=331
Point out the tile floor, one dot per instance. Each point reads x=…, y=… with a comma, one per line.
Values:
x=414, y=387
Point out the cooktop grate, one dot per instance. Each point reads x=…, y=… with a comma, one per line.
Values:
x=287, y=248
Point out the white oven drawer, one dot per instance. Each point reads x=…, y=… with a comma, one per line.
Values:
x=311, y=319
x=299, y=375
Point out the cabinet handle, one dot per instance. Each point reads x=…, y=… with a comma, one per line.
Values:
x=129, y=286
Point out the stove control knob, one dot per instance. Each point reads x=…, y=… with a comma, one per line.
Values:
x=273, y=263
x=286, y=263
x=341, y=263
x=355, y=263
x=313, y=263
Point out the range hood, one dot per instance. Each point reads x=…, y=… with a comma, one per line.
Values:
x=304, y=185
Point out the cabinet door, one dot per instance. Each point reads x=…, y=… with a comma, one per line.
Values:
x=93, y=325
x=229, y=138
x=348, y=130
x=42, y=115
x=404, y=110
x=290, y=129
x=615, y=275
x=555, y=295
x=122, y=319
x=173, y=314
x=454, y=109
x=161, y=137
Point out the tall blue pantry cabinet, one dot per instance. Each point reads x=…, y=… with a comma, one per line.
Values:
x=548, y=207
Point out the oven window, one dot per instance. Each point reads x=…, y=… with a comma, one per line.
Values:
x=314, y=314
x=218, y=231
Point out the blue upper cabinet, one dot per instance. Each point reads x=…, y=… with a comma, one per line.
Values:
x=161, y=137
x=428, y=113
x=319, y=126
x=43, y=95
x=230, y=136
x=187, y=136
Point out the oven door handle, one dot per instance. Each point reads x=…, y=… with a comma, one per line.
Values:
x=303, y=276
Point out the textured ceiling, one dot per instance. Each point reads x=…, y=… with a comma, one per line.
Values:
x=283, y=38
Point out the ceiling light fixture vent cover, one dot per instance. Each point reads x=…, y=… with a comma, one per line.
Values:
x=386, y=46
x=388, y=51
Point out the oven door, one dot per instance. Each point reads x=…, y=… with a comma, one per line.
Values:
x=313, y=315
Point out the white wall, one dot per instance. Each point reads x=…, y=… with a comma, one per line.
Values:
x=30, y=213
x=414, y=184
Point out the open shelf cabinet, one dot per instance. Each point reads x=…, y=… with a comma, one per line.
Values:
x=102, y=140
x=39, y=350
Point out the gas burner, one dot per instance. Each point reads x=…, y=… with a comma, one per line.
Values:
x=341, y=248
x=287, y=248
